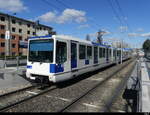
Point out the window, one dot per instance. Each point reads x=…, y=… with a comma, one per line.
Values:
x=104, y=50
x=20, y=54
x=2, y=54
x=14, y=21
x=2, y=27
x=13, y=53
x=81, y=51
x=20, y=30
x=41, y=51
x=13, y=29
x=95, y=54
x=3, y=36
x=114, y=53
x=13, y=37
x=61, y=52
x=28, y=32
x=20, y=37
x=20, y=23
x=73, y=51
x=2, y=18
x=109, y=52
x=28, y=25
x=100, y=52
x=13, y=45
x=89, y=52
x=33, y=33
x=119, y=53
x=2, y=44
x=40, y=28
x=33, y=26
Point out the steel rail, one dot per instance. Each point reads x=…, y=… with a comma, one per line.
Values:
x=7, y=107
x=117, y=91
x=93, y=88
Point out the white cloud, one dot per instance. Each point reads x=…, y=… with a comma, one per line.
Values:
x=12, y=5
x=146, y=34
x=84, y=26
x=48, y=17
x=68, y=15
x=123, y=28
x=133, y=34
x=139, y=35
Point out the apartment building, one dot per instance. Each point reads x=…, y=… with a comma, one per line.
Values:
x=20, y=30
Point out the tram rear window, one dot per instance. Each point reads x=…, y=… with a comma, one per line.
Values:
x=41, y=51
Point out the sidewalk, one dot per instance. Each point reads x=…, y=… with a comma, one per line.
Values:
x=12, y=79
x=145, y=84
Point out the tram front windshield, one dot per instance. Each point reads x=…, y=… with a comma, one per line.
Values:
x=41, y=50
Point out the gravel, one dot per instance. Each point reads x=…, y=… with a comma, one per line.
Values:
x=69, y=90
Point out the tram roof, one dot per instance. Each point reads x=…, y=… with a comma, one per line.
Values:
x=67, y=37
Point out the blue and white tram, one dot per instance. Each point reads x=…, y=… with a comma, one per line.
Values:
x=59, y=57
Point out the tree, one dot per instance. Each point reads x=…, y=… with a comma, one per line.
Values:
x=146, y=46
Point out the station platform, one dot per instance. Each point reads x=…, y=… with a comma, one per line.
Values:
x=145, y=85
x=13, y=78
x=137, y=92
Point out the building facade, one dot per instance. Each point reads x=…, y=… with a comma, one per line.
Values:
x=20, y=30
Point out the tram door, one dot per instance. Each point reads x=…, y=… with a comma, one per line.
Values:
x=73, y=55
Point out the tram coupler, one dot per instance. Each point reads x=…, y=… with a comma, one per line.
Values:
x=42, y=80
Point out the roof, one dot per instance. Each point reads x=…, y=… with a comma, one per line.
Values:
x=25, y=20
x=66, y=37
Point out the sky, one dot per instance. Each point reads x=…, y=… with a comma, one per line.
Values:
x=126, y=20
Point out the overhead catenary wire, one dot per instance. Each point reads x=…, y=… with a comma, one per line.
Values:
x=123, y=15
x=51, y=5
x=115, y=12
x=68, y=6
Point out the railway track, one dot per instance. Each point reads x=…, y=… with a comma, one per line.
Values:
x=30, y=96
x=13, y=98
x=108, y=104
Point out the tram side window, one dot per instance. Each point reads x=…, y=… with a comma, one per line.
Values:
x=110, y=52
x=118, y=53
x=95, y=55
x=81, y=51
x=61, y=52
x=89, y=52
x=114, y=53
x=104, y=52
x=100, y=52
